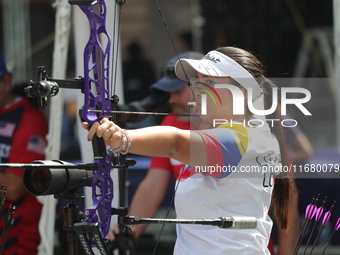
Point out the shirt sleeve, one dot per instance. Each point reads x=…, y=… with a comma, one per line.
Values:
x=163, y=163
x=225, y=148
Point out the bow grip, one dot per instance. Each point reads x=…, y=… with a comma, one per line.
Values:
x=99, y=148
x=98, y=145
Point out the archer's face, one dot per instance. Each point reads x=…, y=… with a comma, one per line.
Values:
x=219, y=100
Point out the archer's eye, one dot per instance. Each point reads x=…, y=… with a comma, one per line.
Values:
x=210, y=82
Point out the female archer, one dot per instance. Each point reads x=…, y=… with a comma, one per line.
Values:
x=231, y=166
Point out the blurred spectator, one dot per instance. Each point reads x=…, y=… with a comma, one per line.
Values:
x=184, y=41
x=70, y=148
x=138, y=74
x=23, y=129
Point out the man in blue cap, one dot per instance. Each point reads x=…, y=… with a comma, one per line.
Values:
x=179, y=93
x=23, y=129
x=151, y=191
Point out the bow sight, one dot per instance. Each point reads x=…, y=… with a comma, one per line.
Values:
x=48, y=87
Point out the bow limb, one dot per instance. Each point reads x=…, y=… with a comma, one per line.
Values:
x=96, y=65
x=97, y=97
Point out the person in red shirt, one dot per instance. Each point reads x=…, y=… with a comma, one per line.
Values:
x=23, y=130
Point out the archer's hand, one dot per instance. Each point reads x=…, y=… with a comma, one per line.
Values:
x=112, y=233
x=110, y=132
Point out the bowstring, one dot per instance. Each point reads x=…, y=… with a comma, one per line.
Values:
x=188, y=83
x=114, y=68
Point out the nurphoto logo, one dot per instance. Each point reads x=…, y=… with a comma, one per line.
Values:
x=304, y=96
x=238, y=100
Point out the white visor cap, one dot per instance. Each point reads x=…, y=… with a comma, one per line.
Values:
x=217, y=64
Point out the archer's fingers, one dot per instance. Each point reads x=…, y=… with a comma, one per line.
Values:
x=111, y=235
x=102, y=128
x=85, y=125
x=92, y=131
x=111, y=133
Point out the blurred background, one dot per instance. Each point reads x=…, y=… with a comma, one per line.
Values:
x=295, y=39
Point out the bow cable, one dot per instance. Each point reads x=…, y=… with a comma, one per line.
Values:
x=115, y=50
x=188, y=83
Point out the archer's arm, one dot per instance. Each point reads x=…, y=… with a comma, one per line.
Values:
x=158, y=141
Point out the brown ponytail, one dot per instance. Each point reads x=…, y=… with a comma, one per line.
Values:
x=283, y=185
